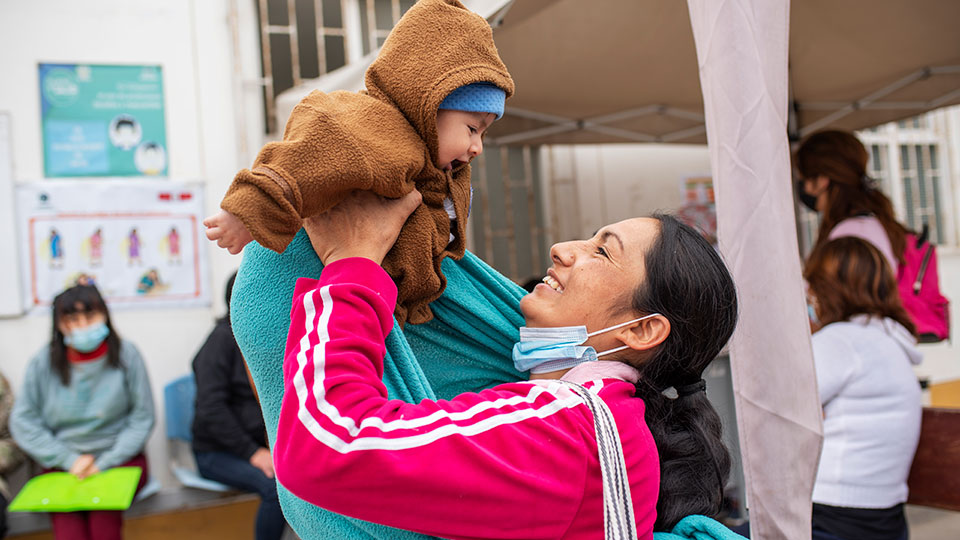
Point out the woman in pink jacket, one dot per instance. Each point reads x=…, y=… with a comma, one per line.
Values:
x=519, y=460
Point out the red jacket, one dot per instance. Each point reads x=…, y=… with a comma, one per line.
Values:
x=516, y=461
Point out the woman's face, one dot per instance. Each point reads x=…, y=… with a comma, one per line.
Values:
x=817, y=187
x=592, y=281
x=81, y=318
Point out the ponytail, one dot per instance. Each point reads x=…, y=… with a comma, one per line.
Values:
x=694, y=462
x=686, y=282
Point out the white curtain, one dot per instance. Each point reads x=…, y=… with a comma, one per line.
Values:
x=742, y=53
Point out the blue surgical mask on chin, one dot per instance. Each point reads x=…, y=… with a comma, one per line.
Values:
x=87, y=339
x=542, y=350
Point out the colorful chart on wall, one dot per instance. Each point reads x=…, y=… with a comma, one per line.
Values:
x=140, y=243
x=699, y=208
x=102, y=120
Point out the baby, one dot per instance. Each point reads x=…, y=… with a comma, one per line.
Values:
x=436, y=86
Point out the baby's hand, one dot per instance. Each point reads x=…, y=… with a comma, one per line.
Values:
x=228, y=231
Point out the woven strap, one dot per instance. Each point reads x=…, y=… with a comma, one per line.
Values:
x=618, y=520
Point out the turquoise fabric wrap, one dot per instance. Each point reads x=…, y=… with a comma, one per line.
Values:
x=698, y=528
x=467, y=347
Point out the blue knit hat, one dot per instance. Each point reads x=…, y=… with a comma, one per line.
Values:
x=476, y=97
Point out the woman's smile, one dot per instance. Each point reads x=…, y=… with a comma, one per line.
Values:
x=552, y=282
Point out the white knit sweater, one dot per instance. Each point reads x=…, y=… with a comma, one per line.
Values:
x=872, y=409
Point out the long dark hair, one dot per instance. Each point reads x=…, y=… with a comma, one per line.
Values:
x=848, y=276
x=842, y=158
x=76, y=299
x=688, y=283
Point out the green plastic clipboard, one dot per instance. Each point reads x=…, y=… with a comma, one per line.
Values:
x=112, y=489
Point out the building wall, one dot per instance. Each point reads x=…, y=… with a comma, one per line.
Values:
x=589, y=186
x=210, y=57
x=942, y=129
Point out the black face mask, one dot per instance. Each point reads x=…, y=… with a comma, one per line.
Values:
x=805, y=198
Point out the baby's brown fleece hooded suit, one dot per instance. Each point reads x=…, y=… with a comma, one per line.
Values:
x=383, y=139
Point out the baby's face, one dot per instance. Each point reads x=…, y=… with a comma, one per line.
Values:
x=460, y=136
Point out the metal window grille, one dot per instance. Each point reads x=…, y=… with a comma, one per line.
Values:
x=920, y=174
x=506, y=218
x=808, y=226
x=299, y=39
x=917, y=122
x=878, y=168
x=377, y=18
x=303, y=39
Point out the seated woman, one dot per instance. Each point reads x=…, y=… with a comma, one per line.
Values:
x=519, y=460
x=85, y=406
x=863, y=352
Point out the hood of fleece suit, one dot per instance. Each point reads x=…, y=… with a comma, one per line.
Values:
x=435, y=48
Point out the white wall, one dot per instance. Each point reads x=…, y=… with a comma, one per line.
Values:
x=941, y=361
x=214, y=126
x=589, y=186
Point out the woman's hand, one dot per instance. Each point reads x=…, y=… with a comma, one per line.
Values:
x=362, y=225
x=261, y=459
x=84, y=466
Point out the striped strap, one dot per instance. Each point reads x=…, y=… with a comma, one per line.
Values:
x=618, y=520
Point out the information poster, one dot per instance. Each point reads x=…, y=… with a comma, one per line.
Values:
x=699, y=208
x=101, y=120
x=138, y=242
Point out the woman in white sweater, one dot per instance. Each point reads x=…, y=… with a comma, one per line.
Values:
x=863, y=350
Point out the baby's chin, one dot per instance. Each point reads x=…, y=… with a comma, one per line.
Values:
x=452, y=165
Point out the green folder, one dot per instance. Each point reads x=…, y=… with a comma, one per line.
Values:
x=112, y=489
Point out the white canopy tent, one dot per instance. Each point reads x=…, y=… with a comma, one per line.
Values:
x=626, y=70
x=749, y=74
x=742, y=51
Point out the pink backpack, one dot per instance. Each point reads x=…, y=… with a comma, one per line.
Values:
x=919, y=287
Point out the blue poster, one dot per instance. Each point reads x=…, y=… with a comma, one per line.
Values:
x=101, y=120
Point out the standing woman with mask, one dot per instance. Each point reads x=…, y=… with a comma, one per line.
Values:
x=834, y=183
x=832, y=165
x=85, y=406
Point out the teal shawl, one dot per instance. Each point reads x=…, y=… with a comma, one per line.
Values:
x=466, y=347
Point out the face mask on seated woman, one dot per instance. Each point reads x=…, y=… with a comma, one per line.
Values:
x=88, y=338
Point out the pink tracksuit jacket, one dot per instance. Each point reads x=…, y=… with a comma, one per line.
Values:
x=515, y=461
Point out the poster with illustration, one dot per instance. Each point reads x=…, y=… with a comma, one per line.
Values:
x=699, y=209
x=102, y=120
x=140, y=243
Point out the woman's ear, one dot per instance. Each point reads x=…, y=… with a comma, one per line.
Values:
x=645, y=334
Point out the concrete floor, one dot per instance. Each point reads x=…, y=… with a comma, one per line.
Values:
x=932, y=524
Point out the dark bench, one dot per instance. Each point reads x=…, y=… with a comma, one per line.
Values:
x=935, y=475
x=167, y=501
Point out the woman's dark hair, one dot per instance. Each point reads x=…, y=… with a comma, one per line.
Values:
x=227, y=295
x=842, y=158
x=848, y=276
x=77, y=299
x=688, y=283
